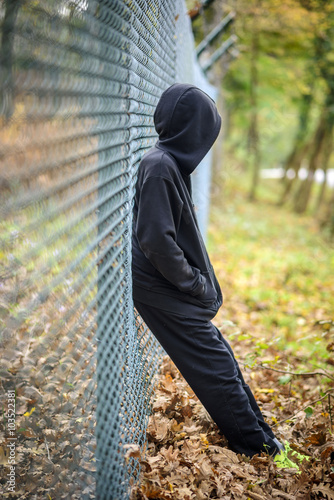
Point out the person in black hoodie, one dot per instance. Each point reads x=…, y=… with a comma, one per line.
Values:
x=175, y=289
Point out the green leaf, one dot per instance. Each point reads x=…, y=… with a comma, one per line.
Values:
x=308, y=411
x=285, y=379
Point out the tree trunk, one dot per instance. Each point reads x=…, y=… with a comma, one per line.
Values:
x=11, y=8
x=328, y=147
x=253, y=133
x=300, y=148
x=325, y=64
x=302, y=196
x=294, y=163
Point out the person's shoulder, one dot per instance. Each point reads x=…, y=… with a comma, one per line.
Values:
x=158, y=163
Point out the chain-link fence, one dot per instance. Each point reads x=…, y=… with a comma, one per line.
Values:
x=79, y=83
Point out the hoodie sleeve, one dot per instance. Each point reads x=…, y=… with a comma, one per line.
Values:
x=158, y=218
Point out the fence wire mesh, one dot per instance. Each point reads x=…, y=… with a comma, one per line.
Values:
x=79, y=84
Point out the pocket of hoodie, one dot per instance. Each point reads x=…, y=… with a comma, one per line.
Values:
x=210, y=294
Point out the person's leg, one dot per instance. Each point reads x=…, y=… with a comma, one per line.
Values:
x=208, y=366
x=247, y=390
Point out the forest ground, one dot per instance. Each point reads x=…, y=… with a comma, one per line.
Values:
x=276, y=273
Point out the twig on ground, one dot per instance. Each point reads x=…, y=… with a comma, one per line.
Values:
x=304, y=407
x=323, y=373
x=47, y=448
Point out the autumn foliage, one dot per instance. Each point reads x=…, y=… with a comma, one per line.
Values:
x=187, y=457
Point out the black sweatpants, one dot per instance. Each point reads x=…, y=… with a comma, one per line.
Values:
x=206, y=361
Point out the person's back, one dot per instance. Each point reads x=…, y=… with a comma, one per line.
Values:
x=169, y=255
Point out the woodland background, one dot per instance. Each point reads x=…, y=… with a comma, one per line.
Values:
x=279, y=95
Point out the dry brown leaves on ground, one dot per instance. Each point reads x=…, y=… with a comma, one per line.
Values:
x=187, y=458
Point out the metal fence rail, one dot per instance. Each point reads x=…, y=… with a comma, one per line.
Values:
x=79, y=83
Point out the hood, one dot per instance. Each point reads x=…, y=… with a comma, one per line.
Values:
x=188, y=124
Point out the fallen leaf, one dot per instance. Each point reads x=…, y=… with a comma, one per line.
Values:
x=318, y=438
x=132, y=451
x=28, y=413
x=325, y=490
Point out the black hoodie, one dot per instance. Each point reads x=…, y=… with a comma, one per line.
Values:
x=170, y=264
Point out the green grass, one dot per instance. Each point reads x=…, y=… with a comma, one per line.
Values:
x=276, y=271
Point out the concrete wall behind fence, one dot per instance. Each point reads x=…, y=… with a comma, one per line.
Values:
x=79, y=84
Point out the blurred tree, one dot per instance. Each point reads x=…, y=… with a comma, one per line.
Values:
x=300, y=147
x=9, y=9
x=253, y=131
x=322, y=143
x=279, y=93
